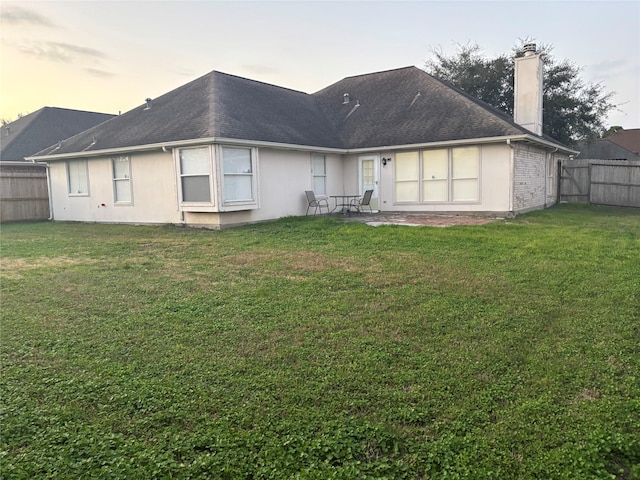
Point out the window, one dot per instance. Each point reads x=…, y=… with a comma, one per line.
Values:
x=319, y=172
x=464, y=174
x=407, y=176
x=121, y=179
x=237, y=172
x=77, y=177
x=441, y=175
x=550, y=169
x=195, y=175
x=435, y=174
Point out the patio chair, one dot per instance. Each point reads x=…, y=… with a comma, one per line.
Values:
x=364, y=201
x=319, y=202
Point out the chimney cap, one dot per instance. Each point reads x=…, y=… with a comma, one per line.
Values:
x=529, y=49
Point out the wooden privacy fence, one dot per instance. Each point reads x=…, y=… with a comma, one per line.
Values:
x=23, y=193
x=602, y=182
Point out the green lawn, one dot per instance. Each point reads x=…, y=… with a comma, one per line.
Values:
x=314, y=348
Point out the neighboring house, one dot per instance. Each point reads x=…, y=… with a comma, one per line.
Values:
x=607, y=171
x=605, y=149
x=224, y=150
x=629, y=139
x=23, y=185
x=623, y=145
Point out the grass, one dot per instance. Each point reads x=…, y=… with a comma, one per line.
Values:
x=311, y=348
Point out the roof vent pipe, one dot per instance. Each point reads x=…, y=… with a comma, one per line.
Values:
x=149, y=104
x=345, y=99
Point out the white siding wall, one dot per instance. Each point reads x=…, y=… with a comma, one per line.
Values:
x=494, y=178
x=529, y=178
x=351, y=180
x=283, y=176
x=152, y=185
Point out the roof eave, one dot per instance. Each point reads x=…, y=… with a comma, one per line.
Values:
x=289, y=146
x=18, y=163
x=469, y=141
x=550, y=144
x=181, y=143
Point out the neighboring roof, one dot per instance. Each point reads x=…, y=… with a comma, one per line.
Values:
x=29, y=134
x=629, y=139
x=605, y=149
x=395, y=107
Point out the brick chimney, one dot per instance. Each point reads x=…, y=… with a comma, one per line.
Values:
x=527, y=105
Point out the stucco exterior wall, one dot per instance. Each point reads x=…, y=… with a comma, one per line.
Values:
x=529, y=192
x=152, y=185
x=283, y=177
x=494, y=186
x=509, y=180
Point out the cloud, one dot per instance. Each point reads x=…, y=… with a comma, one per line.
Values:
x=611, y=68
x=23, y=16
x=184, y=72
x=99, y=73
x=62, y=52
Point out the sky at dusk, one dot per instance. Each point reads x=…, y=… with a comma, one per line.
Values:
x=108, y=56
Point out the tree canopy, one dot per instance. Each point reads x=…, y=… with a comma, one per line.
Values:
x=574, y=110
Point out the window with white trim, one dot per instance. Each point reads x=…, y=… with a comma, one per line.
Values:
x=77, y=177
x=238, y=175
x=444, y=175
x=407, y=170
x=550, y=170
x=464, y=174
x=319, y=173
x=435, y=175
x=121, y=179
x=195, y=175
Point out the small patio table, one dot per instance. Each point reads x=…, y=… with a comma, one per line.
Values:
x=343, y=202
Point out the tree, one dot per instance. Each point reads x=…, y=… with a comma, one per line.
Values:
x=7, y=121
x=573, y=110
x=611, y=130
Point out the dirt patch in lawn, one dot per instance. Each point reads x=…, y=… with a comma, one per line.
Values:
x=12, y=268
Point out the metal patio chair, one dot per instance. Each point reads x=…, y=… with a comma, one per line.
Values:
x=364, y=201
x=319, y=202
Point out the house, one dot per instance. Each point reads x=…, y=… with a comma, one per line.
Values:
x=622, y=145
x=629, y=139
x=224, y=150
x=606, y=172
x=605, y=149
x=23, y=185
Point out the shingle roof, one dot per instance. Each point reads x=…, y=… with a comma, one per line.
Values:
x=30, y=134
x=214, y=105
x=605, y=149
x=629, y=139
x=395, y=107
x=408, y=106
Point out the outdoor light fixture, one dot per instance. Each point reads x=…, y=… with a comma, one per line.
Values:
x=385, y=160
